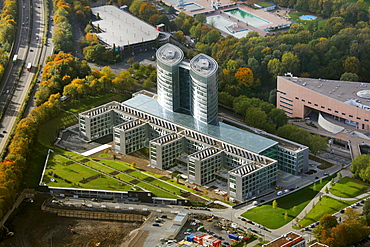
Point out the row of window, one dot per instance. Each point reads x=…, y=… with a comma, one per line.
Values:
x=329, y=109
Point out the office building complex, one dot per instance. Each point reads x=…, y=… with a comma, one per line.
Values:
x=179, y=127
x=343, y=101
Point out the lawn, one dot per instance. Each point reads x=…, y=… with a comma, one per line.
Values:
x=75, y=172
x=294, y=16
x=327, y=205
x=349, y=187
x=274, y=218
x=263, y=4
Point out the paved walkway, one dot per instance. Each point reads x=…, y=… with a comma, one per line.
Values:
x=288, y=227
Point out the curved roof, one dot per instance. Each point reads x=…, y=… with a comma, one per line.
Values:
x=170, y=54
x=364, y=94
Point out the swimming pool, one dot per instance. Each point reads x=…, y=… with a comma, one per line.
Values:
x=308, y=17
x=192, y=7
x=247, y=17
x=222, y=23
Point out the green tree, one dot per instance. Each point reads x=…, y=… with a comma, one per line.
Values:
x=295, y=209
x=346, y=76
x=278, y=117
x=339, y=176
x=255, y=117
x=274, y=204
x=314, y=187
x=327, y=190
x=286, y=216
x=201, y=18
x=361, y=167
x=135, y=7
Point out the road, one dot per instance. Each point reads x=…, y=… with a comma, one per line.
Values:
x=16, y=89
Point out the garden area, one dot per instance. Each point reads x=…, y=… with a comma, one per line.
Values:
x=349, y=187
x=288, y=207
x=71, y=170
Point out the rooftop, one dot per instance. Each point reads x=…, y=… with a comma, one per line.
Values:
x=285, y=240
x=170, y=54
x=121, y=28
x=218, y=130
x=204, y=65
x=318, y=245
x=166, y=138
x=203, y=154
x=245, y=169
x=343, y=91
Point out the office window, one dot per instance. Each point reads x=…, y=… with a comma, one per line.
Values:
x=343, y=114
x=322, y=107
x=303, y=100
x=336, y=111
x=316, y=104
x=329, y=109
x=358, y=118
x=309, y=102
x=350, y=116
x=297, y=98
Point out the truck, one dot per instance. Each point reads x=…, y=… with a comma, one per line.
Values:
x=235, y=237
x=15, y=58
x=29, y=66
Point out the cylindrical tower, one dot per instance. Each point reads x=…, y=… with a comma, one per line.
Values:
x=168, y=59
x=204, y=88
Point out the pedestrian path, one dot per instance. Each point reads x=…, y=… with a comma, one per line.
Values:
x=289, y=226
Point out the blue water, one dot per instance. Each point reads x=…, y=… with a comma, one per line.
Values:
x=308, y=17
x=247, y=17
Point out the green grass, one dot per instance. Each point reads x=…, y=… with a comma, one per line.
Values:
x=349, y=187
x=294, y=16
x=263, y=4
x=327, y=205
x=274, y=218
x=104, y=156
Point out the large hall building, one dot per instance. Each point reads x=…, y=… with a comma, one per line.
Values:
x=179, y=125
x=344, y=101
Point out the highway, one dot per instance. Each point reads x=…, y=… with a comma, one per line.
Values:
x=14, y=90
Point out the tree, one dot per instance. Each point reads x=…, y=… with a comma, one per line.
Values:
x=352, y=65
x=290, y=63
x=366, y=211
x=286, y=216
x=278, y=117
x=133, y=164
x=255, y=117
x=179, y=35
x=201, y=18
x=351, y=214
x=339, y=175
x=346, y=76
x=326, y=223
x=274, y=204
x=295, y=209
x=361, y=167
x=135, y=7
x=327, y=190
x=244, y=76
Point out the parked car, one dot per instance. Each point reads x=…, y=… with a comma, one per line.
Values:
x=155, y=224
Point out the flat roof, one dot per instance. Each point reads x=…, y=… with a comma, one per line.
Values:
x=342, y=91
x=204, y=65
x=121, y=28
x=222, y=131
x=170, y=54
x=285, y=240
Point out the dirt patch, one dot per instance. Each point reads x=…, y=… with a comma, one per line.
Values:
x=34, y=227
x=89, y=179
x=149, y=179
x=114, y=173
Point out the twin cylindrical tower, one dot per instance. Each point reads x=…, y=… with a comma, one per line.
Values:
x=183, y=86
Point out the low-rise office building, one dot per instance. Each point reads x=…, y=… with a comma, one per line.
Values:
x=177, y=134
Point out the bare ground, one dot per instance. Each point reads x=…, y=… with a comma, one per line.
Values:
x=33, y=227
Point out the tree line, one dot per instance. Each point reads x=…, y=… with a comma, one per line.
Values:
x=351, y=228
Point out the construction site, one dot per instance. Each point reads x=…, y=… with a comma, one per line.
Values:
x=35, y=223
